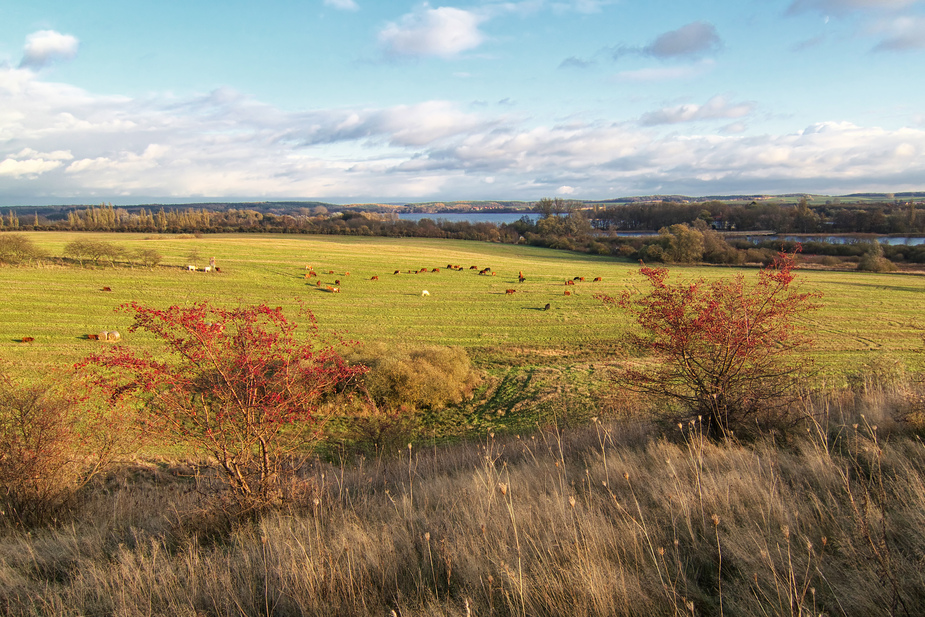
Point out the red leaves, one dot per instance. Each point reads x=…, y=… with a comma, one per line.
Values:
x=232, y=380
x=728, y=348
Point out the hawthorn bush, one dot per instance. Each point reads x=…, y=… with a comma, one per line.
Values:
x=239, y=386
x=728, y=351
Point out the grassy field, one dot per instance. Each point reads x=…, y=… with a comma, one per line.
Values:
x=58, y=305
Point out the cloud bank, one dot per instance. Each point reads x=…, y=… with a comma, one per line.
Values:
x=63, y=143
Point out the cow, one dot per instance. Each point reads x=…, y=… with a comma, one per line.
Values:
x=27, y=339
x=332, y=290
x=207, y=269
x=107, y=289
x=191, y=268
x=473, y=267
x=546, y=308
x=425, y=293
x=346, y=274
x=577, y=278
x=422, y=270
x=581, y=279
x=318, y=283
x=376, y=278
x=330, y=271
x=337, y=281
x=567, y=292
x=93, y=337
x=569, y=282
x=510, y=291
x=597, y=280
x=449, y=266
x=398, y=272
x=436, y=270
x=311, y=274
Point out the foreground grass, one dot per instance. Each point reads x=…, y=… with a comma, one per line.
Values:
x=609, y=520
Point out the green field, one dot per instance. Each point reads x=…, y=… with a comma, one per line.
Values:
x=59, y=304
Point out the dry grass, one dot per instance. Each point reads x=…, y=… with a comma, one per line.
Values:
x=612, y=519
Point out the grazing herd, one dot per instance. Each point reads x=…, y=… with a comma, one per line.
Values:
x=113, y=336
x=454, y=267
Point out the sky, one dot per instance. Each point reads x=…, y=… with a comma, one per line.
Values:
x=357, y=101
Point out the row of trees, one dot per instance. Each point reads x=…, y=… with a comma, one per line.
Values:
x=802, y=218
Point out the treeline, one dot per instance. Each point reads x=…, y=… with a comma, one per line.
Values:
x=687, y=233
x=802, y=218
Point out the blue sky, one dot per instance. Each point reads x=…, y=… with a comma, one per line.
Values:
x=359, y=101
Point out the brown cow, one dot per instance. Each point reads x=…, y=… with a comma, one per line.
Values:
x=337, y=281
x=398, y=272
x=567, y=292
x=376, y=278
x=27, y=339
x=436, y=270
x=93, y=337
x=107, y=288
x=318, y=283
x=569, y=282
x=473, y=267
x=510, y=291
x=597, y=280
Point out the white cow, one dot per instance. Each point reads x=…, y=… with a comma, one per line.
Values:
x=425, y=293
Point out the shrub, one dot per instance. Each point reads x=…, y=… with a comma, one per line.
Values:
x=874, y=261
x=16, y=248
x=236, y=385
x=405, y=377
x=729, y=351
x=50, y=446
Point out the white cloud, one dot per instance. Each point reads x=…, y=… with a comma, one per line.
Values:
x=46, y=46
x=29, y=163
x=444, y=32
x=343, y=5
x=716, y=108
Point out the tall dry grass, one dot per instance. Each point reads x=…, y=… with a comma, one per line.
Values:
x=613, y=519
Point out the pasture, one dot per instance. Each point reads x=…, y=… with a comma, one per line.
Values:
x=58, y=304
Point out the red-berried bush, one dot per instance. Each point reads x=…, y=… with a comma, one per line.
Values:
x=729, y=351
x=240, y=386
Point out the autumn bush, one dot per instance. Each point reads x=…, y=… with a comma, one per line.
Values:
x=51, y=444
x=728, y=351
x=241, y=387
